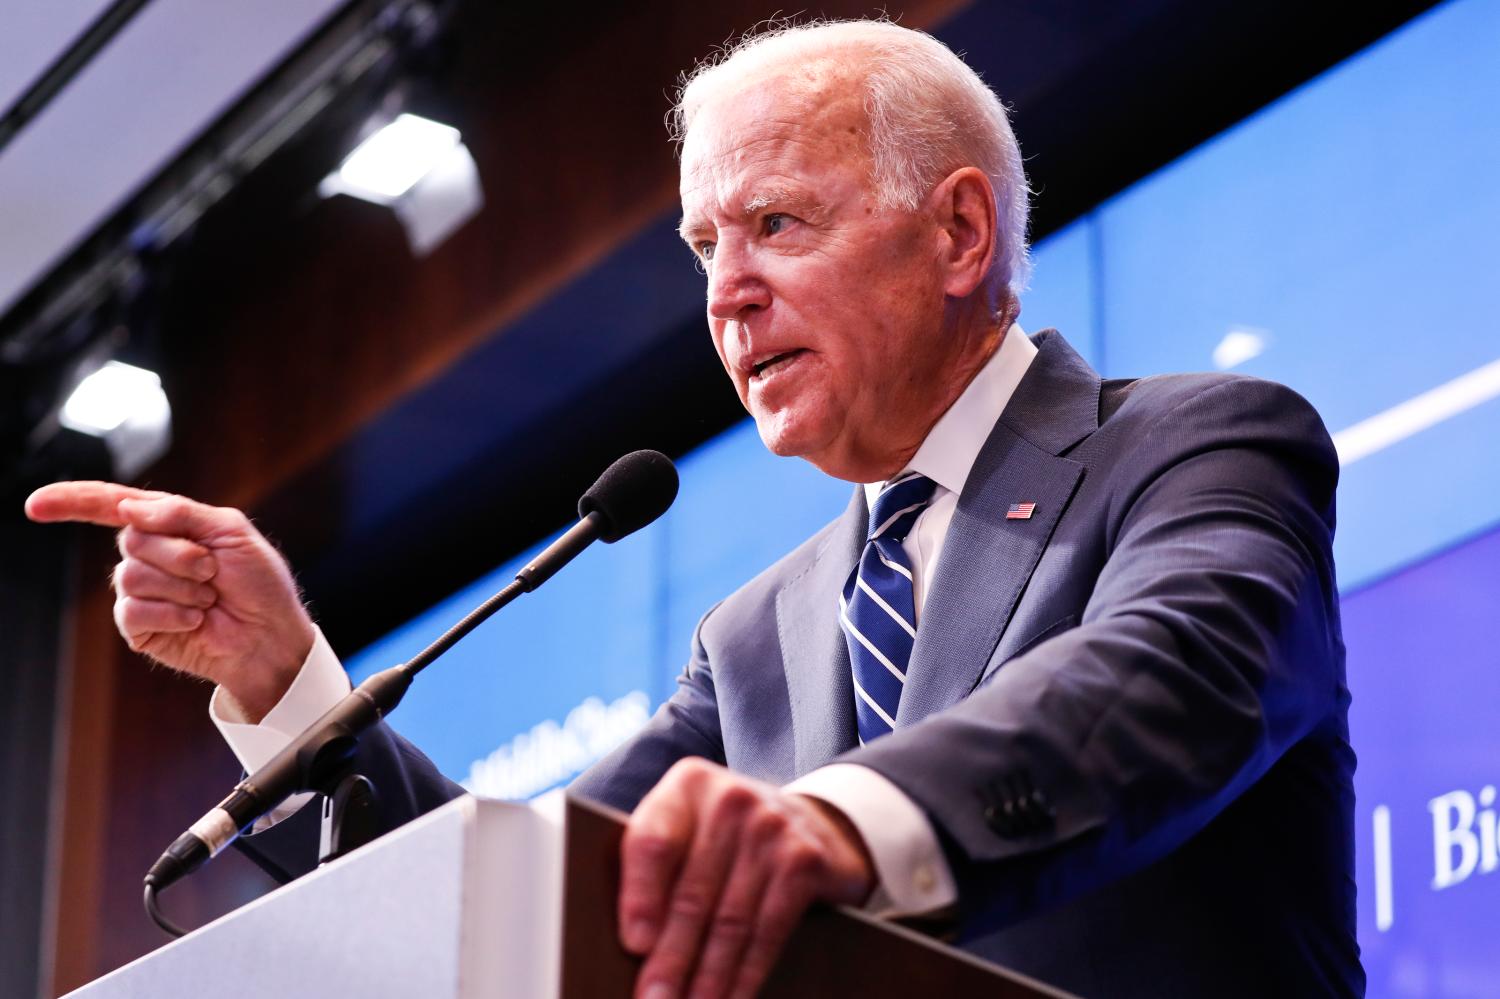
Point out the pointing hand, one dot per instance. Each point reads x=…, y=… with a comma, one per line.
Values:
x=198, y=588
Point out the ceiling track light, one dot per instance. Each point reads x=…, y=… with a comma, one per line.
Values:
x=422, y=170
x=391, y=161
x=126, y=407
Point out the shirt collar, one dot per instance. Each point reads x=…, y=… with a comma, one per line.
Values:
x=953, y=444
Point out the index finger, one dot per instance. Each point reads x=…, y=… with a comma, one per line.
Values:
x=84, y=502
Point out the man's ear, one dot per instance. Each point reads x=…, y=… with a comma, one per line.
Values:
x=963, y=206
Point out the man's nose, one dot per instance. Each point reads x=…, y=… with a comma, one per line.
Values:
x=735, y=283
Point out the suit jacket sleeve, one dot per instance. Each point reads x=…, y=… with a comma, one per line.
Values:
x=1209, y=646
x=407, y=785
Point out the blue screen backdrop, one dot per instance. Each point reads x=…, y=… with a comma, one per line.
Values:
x=1343, y=240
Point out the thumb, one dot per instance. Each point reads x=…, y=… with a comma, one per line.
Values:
x=180, y=517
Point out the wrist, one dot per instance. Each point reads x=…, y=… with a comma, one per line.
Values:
x=250, y=705
x=849, y=841
x=257, y=688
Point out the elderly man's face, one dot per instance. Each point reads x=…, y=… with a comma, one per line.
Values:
x=826, y=311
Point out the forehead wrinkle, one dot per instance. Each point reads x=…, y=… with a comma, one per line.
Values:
x=735, y=189
x=731, y=171
x=713, y=150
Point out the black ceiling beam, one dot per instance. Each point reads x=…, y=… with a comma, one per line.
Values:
x=66, y=66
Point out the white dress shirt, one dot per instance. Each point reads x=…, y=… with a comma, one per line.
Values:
x=913, y=877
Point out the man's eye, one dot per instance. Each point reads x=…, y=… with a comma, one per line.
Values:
x=706, y=250
x=776, y=223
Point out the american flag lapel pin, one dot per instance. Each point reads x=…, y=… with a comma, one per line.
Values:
x=1020, y=511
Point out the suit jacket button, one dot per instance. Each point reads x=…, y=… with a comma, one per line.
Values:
x=1039, y=810
x=999, y=818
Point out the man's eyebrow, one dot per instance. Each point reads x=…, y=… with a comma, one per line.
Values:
x=777, y=196
x=688, y=230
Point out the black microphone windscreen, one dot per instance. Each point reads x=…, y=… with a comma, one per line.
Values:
x=631, y=493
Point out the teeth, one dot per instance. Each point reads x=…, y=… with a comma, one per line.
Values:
x=771, y=362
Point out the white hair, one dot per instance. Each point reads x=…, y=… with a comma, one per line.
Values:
x=929, y=113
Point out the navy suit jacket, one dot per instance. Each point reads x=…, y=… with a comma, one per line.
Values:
x=1125, y=716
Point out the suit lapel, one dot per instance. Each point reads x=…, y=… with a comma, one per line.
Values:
x=988, y=559
x=812, y=646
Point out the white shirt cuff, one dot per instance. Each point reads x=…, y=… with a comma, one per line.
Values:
x=319, y=685
x=913, y=875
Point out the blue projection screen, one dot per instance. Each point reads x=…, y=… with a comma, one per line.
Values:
x=1424, y=666
x=1344, y=241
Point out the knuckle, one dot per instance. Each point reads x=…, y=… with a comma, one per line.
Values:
x=801, y=862
x=233, y=518
x=128, y=611
x=734, y=801
x=691, y=901
x=130, y=575
x=690, y=769
x=732, y=926
x=648, y=847
x=768, y=824
x=139, y=544
x=135, y=636
x=634, y=907
x=171, y=507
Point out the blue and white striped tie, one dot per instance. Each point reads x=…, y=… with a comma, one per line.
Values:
x=877, y=609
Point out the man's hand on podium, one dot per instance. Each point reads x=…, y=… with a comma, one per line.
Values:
x=198, y=588
x=716, y=871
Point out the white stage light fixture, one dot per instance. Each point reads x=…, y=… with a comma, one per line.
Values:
x=390, y=162
x=109, y=397
x=422, y=170
x=125, y=405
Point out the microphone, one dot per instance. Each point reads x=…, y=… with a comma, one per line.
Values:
x=632, y=492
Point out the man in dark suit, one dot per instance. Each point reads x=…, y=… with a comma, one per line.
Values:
x=1067, y=673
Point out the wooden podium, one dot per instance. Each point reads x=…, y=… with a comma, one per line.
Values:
x=488, y=899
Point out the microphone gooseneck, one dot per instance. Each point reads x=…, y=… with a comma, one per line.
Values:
x=631, y=493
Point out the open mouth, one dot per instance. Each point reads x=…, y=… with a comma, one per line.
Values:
x=771, y=364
